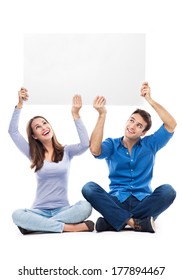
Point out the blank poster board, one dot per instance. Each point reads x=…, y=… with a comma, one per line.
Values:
x=57, y=66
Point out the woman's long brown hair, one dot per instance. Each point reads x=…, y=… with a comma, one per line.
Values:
x=37, y=149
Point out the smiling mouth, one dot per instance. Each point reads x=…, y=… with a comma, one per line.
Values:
x=45, y=132
x=130, y=131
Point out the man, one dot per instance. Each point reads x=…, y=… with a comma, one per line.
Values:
x=130, y=159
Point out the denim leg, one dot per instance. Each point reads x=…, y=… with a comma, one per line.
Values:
x=52, y=220
x=106, y=204
x=74, y=214
x=156, y=203
x=36, y=221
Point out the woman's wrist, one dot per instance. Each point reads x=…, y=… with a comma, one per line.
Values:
x=75, y=116
x=19, y=105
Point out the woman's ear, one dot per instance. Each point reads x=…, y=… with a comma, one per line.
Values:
x=33, y=136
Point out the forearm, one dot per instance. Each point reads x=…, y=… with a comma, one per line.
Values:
x=82, y=133
x=165, y=116
x=14, y=133
x=97, y=135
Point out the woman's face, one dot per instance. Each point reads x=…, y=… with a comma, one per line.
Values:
x=42, y=130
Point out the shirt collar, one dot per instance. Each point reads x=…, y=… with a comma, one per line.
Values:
x=120, y=142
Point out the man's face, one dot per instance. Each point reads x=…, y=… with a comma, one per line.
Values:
x=135, y=127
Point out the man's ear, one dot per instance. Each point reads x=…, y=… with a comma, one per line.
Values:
x=144, y=132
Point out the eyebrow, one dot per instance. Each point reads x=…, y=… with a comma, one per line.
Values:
x=38, y=123
x=136, y=121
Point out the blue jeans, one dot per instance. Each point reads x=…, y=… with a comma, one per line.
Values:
x=52, y=220
x=117, y=213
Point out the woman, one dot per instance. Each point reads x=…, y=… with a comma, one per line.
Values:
x=51, y=211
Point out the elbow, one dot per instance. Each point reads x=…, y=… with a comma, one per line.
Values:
x=173, y=125
x=9, y=131
x=85, y=145
x=94, y=151
x=12, y=131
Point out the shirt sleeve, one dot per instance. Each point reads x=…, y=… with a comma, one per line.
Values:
x=159, y=139
x=82, y=146
x=107, y=148
x=14, y=133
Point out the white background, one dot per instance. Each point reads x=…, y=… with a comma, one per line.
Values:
x=160, y=21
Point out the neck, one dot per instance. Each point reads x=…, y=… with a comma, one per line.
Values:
x=48, y=146
x=129, y=143
x=49, y=151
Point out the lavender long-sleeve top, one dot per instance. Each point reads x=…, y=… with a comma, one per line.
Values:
x=52, y=178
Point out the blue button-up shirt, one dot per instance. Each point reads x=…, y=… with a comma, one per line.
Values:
x=131, y=174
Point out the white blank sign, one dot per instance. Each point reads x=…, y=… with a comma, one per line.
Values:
x=57, y=66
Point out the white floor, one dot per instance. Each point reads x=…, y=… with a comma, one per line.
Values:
x=94, y=251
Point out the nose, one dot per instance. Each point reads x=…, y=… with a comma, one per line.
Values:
x=44, y=126
x=132, y=125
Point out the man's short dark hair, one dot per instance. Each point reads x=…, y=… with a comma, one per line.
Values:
x=146, y=116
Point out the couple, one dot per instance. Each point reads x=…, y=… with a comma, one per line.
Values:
x=130, y=201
